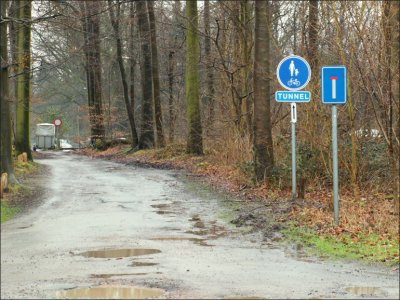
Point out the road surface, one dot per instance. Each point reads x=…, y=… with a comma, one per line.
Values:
x=107, y=230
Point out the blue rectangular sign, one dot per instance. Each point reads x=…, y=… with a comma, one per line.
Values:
x=292, y=96
x=334, y=85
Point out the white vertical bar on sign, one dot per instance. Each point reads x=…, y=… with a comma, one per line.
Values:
x=334, y=78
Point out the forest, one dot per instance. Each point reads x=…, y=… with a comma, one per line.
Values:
x=199, y=77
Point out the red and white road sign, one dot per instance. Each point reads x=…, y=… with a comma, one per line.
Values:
x=57, y=122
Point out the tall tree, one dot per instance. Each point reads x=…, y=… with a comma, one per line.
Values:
x=132, y=58
x=176, y=35
x=91, y=31
x=313, y=34
x=262, y=140
x=156, y=77
x=146, y=139
x=246, y=45
x=115, y=15
x=209, y=94
x=22, y=141
x=6, y=162
x=171, y=109
x=195, y=139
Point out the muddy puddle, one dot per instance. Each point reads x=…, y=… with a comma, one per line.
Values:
x=142, y=264
x=110, y=292
x=106, y=276
x=366, y=291
x=241, y=298
x=160, y=206
x=165, y=212
x=197, y=241
x=116, y=253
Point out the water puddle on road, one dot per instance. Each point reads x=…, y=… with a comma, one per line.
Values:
x=366, y=291
x=116, y=253
x=165, y=212
x=142, y=264
x=160, y=206
x=106, y=276
x=241, y=298
x=110, y=292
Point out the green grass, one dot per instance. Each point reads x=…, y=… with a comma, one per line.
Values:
x=7, y=212
x=368, y=247
x=24, y=168
x=21, y=169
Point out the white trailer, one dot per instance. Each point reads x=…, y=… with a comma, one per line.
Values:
x=45, y=136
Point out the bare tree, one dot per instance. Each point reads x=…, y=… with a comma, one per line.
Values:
x=262, y=143
x=6, y=162
x=146, y=139
x=22, y=141
x=195, y=139
x=115, y=15
x=91, y=31
x=156, y=77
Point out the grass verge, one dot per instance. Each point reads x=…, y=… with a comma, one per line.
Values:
x=9, y=204
x=371, y=247
x=8, y=211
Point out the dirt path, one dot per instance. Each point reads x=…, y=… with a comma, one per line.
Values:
x=109, y=230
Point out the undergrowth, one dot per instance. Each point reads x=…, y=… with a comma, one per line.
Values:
x=370, y=247
x=7, y=211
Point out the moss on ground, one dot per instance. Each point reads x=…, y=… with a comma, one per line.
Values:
x=8, y=211
x=22, y=170
x=369, y=247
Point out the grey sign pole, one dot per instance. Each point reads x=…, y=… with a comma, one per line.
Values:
x=335, y=165
x=293, y=122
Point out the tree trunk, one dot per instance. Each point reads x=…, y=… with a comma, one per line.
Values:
x=91, y=31
x=245, y=17
x=146, y=139
x=132, y=59
x=171, y=109
x=6, y=161
x=22, y=142
x=262, y=142
x=195, y=140
x=115, y=17
x=312, y=51
x=156, y=77
x=209, y=94
x=396, y=30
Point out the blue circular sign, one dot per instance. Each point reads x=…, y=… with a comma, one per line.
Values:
x=293, y=73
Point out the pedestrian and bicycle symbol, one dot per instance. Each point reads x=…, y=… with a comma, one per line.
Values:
x=293, y=73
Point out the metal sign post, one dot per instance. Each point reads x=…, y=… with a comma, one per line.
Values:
x=335, y=165
x=293, y=114
x=334, y=91
x=293, y=73
x=57, y=122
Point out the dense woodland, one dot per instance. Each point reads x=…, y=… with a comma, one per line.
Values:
x=202, y=75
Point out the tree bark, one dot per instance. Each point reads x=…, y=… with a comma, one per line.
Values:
x=115, y=17
x=146, y=139
x=6, y=161
x=195, y=140
x=91, y=31
x=160, y=142
x=262, y=142
x=171, y=109
x=132, y=59
x=22, y=142
x=209, y=95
